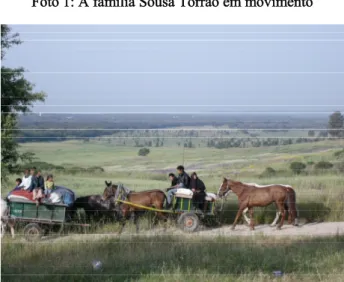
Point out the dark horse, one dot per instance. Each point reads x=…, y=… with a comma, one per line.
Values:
x=250, y=196
x=151, y=198
x=95, y=208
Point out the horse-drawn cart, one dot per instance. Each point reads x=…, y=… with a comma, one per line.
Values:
x=186, y=212
x=40, y=220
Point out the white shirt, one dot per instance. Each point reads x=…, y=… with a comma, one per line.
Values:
x=26, y=182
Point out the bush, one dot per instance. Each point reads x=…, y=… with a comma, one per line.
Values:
x=143, y=152
x=268, y=172
x=39, y=165
x=323, y=165
x=340, y=167
x=339, y=154
x=297, y=167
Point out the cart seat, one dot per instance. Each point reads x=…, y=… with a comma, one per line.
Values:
x=210, y=197
x=184, y=193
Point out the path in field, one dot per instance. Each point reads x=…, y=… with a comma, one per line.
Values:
x=309, y=230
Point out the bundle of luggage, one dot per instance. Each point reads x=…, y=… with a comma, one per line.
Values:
x=60, y=195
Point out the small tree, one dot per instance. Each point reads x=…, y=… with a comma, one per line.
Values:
x=143, y=152
x=335, y=124
x=17, y=96
x=323, y=165
x=297, y=167
x=268, y=172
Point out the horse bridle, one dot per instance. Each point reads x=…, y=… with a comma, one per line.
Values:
x=227, y=191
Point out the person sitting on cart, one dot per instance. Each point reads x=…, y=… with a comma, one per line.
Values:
x=174, y=179
x=198, y=187
x=38, y=184
x=49, y=184
x=17, y=187
x=183, y=182
x=34, y=183
x=26, y=181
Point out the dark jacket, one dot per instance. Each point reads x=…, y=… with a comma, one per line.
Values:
x=34, y=183
x=40, y=182
x=197, y=184
x=185, y=179
x=174, y=182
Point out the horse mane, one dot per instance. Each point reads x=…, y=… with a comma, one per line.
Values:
x=268, y=185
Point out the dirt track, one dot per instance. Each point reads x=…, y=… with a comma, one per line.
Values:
x=309, y=230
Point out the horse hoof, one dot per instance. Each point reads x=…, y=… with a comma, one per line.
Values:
x=278, y=228
x=232, y=228
x=252, y=229
x=272, y=225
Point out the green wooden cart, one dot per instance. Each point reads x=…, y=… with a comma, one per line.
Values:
x=41, y=220
x=188, y=216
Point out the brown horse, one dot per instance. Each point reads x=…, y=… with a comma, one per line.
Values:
x=151, y=198
x=250, y=196
x=289, y=205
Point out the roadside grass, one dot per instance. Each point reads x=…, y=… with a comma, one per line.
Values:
x=171, y=258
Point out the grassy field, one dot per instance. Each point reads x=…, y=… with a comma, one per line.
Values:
x=320, y=194
x=320, y=197
x=164, y=258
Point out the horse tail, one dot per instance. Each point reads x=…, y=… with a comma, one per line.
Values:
x=291, y=203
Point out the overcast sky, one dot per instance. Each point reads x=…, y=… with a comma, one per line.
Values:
x=183, y=65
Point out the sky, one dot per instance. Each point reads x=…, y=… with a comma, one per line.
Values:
x=176, y=68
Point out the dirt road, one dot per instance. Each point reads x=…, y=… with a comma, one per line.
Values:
x=306, y=230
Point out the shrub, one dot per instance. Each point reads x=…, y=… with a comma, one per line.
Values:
x=323, y=165
x=339, y=154
x=340, y=167
x=143, y=152
x=297, y=167
x=268, y=172
x=40, y=165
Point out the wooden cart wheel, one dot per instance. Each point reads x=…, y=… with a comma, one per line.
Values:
x=33, y=232
x=188, y=222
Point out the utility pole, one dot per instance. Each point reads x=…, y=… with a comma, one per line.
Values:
x=183, y=153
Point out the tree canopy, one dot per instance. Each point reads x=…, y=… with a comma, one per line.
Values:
x=335, y=124
x=17, y=97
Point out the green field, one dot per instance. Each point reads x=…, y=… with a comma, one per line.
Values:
x=168, y=258
x=320, y=197
x=320, y=194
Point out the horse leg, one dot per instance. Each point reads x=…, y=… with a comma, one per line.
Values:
x=296, y=217
x=136, y=222
x=281, y=208
x=245, y=216
x=278, y=214
x=251, y=219
x=241, y=209
x=11, y=223
x=3, y=229
x=123, y=216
